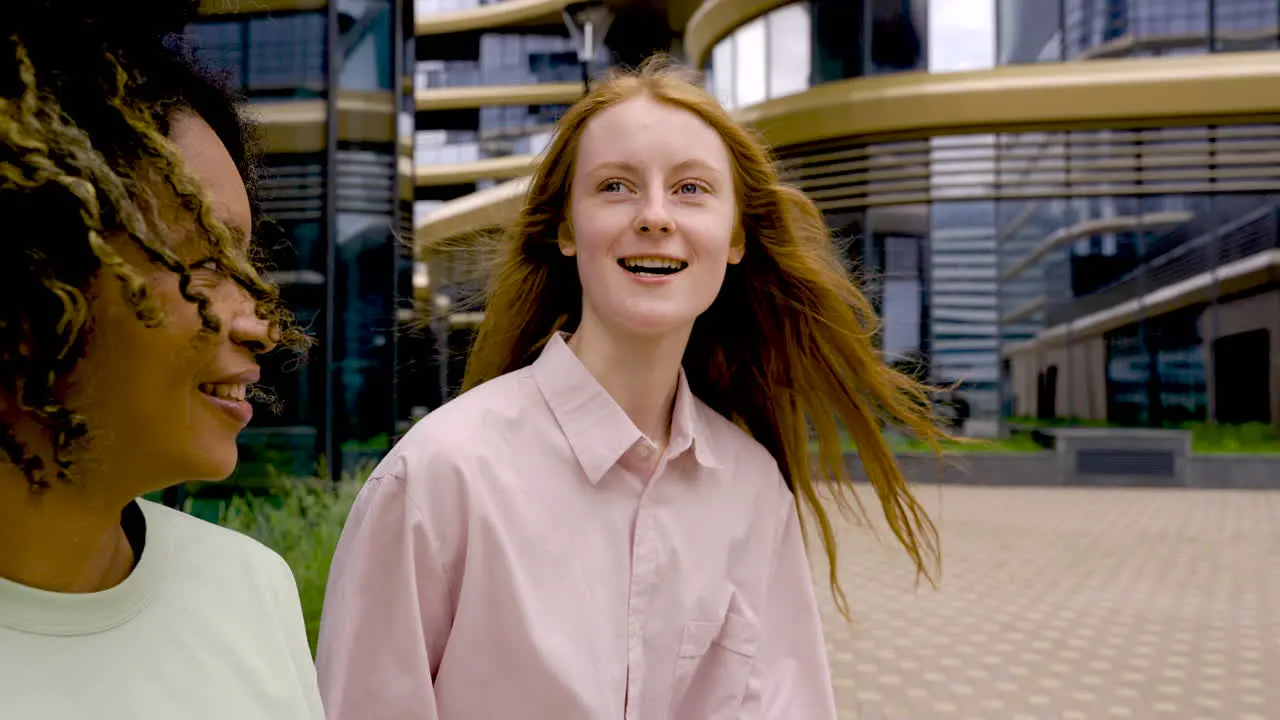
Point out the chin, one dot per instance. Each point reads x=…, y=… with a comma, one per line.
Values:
x=655, y=327
x=214, y=465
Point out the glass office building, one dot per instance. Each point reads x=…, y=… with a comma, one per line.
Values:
x=1137, y=276
x=806, y=44
x=487, y=94
x=1087, y=268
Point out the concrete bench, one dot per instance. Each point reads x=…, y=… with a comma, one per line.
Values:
x=1133, y=457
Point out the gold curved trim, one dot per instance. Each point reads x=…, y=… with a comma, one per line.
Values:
x=1252, y=271
x=1126, y=45
x=290, y=126
x=491, y=207
x=503, y=168
x=1189, y=90
x=502, y=14
x=245, y=7
x=1163, y=220
x=298, y=126
x=680, y=12
x=1160, y=92
x=715, y=19
x=454, y=98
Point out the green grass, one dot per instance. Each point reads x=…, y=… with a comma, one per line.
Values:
x=1211, y=438
x=1248, y=438
x=1014, y=444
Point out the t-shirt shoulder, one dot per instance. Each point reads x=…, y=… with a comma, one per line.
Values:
x=212, y=547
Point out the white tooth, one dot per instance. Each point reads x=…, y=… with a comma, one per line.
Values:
x=226, y=392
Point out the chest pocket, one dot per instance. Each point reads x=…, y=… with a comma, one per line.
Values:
x=713, y=667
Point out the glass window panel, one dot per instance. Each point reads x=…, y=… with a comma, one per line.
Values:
x=722, y=64
x=287, y=52
x=789, y=49
x=750, y=57
x=220, y=44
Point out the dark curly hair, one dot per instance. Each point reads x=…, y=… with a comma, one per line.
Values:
x=87, y=92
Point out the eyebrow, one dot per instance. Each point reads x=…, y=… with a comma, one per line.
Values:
x=682, y=166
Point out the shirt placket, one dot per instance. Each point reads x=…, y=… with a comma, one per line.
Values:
x=644, y=558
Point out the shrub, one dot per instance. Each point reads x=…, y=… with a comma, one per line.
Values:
x=302, y=519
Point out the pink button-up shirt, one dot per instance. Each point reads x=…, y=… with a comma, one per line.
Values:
x=524, y=553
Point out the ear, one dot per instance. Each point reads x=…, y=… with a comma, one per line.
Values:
x=737, y=246
x=564, y=238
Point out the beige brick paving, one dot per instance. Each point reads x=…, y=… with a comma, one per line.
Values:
x=1065, y=604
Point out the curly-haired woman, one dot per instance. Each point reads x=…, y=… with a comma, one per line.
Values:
x=131, y=317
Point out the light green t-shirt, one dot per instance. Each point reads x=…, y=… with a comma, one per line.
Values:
x=208, y=626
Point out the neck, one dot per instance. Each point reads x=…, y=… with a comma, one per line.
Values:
x=641, y=374
x=66, y=539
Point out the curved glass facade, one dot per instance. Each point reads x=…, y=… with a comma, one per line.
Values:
x=281, y=56
x=1135, y=300
x=492, y=58
x=1124, y=276
x=1153, y=304
x=1055, y=30
x=807, y=43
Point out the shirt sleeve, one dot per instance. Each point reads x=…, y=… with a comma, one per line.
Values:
x=291, y=621
x=791, y=677
x=387, y=611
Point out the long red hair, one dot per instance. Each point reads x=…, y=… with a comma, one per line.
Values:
x=787, y=349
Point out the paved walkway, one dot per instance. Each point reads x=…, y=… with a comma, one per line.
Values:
x=1065, y=604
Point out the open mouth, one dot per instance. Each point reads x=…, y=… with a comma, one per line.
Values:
x=221, y=391
x=652, y=266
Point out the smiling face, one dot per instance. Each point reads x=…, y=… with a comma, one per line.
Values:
x=165, y=404
x=652, y=219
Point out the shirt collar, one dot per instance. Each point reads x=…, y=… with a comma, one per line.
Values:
x=597, y=428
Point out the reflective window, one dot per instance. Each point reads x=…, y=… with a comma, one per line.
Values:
x=788, y=42
x=750, y=86
x=766, y=58
x=221, y=44
x=366, y=42
x=810, y=42
x=1153, y=338
x=488, y=132
x=427, y=7
x=1029, y=31
x=1040, y=30
x=286, y=52
x=501, y=59
x=280, y=56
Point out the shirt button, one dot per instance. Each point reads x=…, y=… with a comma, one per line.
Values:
x=635, y=628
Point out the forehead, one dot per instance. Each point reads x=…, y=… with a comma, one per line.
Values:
x=207, y=161
x=642, y=130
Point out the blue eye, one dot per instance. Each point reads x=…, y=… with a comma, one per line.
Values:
x=613, y=186
x=690, y=188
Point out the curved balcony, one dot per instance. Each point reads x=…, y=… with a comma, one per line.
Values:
x=491, y=207
x=716, y=19
x=916, y=106
x=506, y=14
x=298, y=126
x=456, y=98
x=502, y=168
x=1194, y=90
x=244, y=7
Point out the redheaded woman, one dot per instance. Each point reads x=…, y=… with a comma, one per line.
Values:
x=607, y=523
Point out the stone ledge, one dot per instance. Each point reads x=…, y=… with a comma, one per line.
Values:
x=1045, y=469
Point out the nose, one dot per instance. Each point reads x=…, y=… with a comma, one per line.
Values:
x=249, y=329
x=654, y=219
